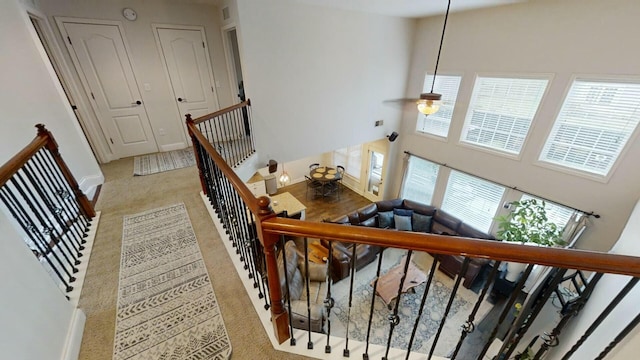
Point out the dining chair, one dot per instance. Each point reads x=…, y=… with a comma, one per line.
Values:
x=314, y=185
x=314, y=166
x=341, y=170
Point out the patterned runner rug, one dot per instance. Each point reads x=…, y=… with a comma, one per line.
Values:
x=166, y=305
x=164, y=161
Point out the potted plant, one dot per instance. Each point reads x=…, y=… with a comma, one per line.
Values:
x=527, y=223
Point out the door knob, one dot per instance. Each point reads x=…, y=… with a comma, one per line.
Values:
x=137, y=103
x=182, y=99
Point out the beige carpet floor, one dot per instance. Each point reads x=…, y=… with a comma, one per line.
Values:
x=124, y=194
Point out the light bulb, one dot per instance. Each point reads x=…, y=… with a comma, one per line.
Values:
x=428, y=107
x=284, y=178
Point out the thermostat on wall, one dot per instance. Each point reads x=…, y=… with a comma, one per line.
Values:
x=129, y=14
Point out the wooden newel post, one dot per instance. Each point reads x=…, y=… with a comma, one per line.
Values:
x=52, y=146
x=279, y=316
x=196, y=153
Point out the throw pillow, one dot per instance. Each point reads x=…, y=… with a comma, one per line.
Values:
x=385, y=219
x=403, y=212
x=421, y=223
x=403, y=223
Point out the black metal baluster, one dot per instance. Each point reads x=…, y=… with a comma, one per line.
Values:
x=233, y=125
x=265, y=279
x=65, y=190
x=432, y=272
x=469, y=326
x=456, y=285
x=48, y=226
x=66, y=231
x=365, y=356
x=569, y=311
x=612, y=305
x=549, y=289
x=328, y=301
x=251, y=137
x=292, y=340
x=222, y=137
x=73, y=222
x=19, y=213
x=256, y=247
x=306, y=275
x=394, y=319
x=352, y=271
x=507, y=308
x=619, y=337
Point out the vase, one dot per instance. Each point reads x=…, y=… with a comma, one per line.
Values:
x=513, y=270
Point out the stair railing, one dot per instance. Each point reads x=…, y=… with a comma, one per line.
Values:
x=258, y=236
x=49, y=209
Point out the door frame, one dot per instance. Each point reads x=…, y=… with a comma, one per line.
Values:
x=231, y=66
x=62, y=74
x=382, y=148
x=60, y=20
x=155, y=27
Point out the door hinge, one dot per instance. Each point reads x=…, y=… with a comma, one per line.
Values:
x=73, y=107
x=212, y=89
x=203, y=44
x=111, y=140
x=70, y=43
x=93, y=97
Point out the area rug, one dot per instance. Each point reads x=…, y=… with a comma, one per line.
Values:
x=408, y=309
x=164, y=161
x=166, y=305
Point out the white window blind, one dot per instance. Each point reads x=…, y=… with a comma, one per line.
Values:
x=556, y=214
x=593, y=126
x=501, y=111
x=471, y=199
x=420, y=180
x=438, y=123
x=351, y=158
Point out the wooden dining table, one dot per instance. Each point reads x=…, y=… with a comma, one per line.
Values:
x=328, y=176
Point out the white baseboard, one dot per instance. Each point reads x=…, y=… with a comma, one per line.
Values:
x=174, y=146
x=89, y=184
x=74, y=336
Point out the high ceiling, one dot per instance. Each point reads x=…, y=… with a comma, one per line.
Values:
x=408, y=8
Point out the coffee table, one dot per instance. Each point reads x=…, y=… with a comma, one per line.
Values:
x=389, y=283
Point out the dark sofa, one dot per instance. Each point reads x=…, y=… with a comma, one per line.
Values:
x=417, y=216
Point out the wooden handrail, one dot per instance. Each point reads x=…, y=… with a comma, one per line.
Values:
x=8, y=169
x=453, y=245
x=43, y=139
x=254, y=204
x=221, y=111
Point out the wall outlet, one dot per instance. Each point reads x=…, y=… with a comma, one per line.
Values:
x=379, y=122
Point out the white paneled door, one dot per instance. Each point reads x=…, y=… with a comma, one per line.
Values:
x=186, y=58
x=100, y=56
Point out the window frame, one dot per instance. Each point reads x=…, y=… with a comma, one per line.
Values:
x=490, y=227
x=426, y=87
x=347, y=157
x=503, y=153
x=578, y=172
x=407, y=174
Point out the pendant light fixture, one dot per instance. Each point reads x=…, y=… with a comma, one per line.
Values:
x=284, y=177
x=429, y=103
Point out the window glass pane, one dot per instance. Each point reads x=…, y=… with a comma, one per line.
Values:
x=354, y=163
x=420, y=180
x=438, y=123
x=593, y=126
x=350, y=158
x=556, y=214
x=472, y=200
x=501, y=111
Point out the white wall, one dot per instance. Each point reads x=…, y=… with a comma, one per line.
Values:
x=605, y=291
x=30, y=95
x=318, y=77
x=159, y=102
x=36, y=318
x=562, y=38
